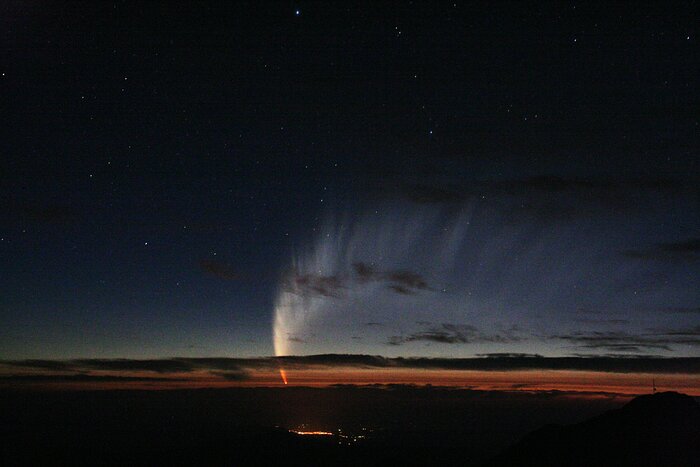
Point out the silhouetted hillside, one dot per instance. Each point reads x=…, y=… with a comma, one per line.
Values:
x=660, y=430
x=401, y=425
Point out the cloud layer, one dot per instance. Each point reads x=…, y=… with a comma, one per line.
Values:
x=240, y=369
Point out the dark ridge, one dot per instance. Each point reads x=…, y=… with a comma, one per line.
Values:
x=657, y=429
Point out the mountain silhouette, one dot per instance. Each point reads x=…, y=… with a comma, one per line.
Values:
x=660, y=429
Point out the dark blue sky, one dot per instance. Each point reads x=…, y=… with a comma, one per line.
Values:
x=411, y=179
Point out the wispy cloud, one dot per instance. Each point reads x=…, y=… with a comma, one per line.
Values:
x=618, y=341
x=316, y=285
x=402, y=282
x=448, y=333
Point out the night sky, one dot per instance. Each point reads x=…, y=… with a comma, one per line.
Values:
x=299, y=178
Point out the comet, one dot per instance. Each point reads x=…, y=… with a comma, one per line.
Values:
x=399, y=277
x=283, y=374
x=320, y=294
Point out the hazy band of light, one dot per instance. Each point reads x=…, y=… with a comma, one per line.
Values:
x=525, y=380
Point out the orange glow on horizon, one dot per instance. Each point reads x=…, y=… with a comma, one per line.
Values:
x=326, y=376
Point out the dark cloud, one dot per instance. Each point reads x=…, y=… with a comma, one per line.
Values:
x=296, y=339
x=614, y=355
x=602, y=321
x=372, y=323
x=689, y=365
x=364, y=272
x=55, y=365
x=220, y=270
x=617, y=341
x=316, y=285
x=400, y=281
x=693, y=331
x=684, y=250
x=637, y=347
x=236, y=367
x=621, y=364
x=82, y=378
x=407, y=279
x=334, y=360
x=334, y=286
x=401, y=290
x=157, y=366
x=509, y=355
x=232, y=375
x=224, y=364
x=448, y=333
x=430, y=336
x=167, y=365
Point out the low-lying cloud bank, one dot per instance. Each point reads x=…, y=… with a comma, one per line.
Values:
x=243, y=369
